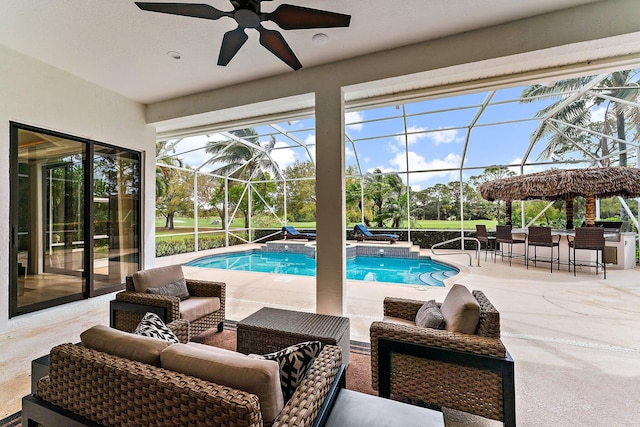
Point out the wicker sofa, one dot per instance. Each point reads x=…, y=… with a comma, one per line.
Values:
x=86, y=386
x=437, y=368
x=130, y=305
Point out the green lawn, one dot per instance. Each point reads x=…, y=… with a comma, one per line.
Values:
x=186, y=225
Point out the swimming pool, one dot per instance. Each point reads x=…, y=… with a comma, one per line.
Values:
x=406, y=271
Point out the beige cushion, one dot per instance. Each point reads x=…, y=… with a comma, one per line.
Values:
x=461, y=311
x=156, y=277
x=213, y=349
x=196, y=307
x=256, y=376
x=398, y=321
x=123, y=344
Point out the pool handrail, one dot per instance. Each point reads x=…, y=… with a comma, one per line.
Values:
x=459, y=252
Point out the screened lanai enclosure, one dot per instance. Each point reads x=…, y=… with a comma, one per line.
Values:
x=412, y=166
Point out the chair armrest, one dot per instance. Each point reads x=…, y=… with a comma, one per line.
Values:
x=180, y=327
x=204, y=288
x=171, y=305
x=401, y=308
x=321, y=384
x=436, y=338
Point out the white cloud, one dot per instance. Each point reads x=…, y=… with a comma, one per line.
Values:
x=597, y=113
x=444, y=136
x=353, y=117
x=349, y=153
x=418, y=162
x=393, y=146
x=310, y=141
x=283, y=156
x=414, y=134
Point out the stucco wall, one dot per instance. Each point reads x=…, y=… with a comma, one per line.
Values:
x=37, y=94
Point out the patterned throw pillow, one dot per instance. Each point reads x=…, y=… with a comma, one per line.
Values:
x=429, y=316
x=175, y=289
x=294, y=362
x=152, y=326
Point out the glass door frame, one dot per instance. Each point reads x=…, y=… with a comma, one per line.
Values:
x=88, y=290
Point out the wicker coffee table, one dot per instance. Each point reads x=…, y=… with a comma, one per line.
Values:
x=271, y=329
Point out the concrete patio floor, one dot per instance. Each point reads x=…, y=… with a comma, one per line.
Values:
x=575, y=340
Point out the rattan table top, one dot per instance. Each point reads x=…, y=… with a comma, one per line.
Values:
x=295, y=322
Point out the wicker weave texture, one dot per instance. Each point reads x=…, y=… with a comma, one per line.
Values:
x=127, y=321
x=270, y=329
x=118, y=392
x=304, y=406
x=437, y=383
x=465, y=389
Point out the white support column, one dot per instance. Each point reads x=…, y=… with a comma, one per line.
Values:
x=330, y=203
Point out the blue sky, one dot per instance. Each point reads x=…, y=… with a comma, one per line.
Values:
x=435, y=137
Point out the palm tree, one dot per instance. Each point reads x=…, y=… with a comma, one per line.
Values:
x=572, y=114
x=572, y=128
x=378, y=188
x=242, y=158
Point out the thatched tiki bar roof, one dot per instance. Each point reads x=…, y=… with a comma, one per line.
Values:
x=564, y=184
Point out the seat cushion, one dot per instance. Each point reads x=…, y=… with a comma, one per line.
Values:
x=398, y=321
x=197, y=307
x=156, y=277
x=124, y=344
x=461, y=310
x=256, y=376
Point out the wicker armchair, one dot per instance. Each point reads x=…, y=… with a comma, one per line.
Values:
x=436, y=368
x=130, y=306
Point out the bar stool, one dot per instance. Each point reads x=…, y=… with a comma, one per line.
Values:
x=483, y=237
x=591, y=239
x=541, y=236
x=505, y=237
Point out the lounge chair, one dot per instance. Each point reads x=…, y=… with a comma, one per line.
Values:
x=291, y=233
x=361, y=234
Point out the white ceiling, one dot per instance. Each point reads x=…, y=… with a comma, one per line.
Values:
x=118, y=46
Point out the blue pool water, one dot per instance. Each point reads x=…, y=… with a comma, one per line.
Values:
x=407, y=271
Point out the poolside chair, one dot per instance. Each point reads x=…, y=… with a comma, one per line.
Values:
x=361, y=234
x=160, y=290
x=464, y=366
x=291, y=233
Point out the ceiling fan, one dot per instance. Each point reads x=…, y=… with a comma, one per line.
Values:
x=247, y=14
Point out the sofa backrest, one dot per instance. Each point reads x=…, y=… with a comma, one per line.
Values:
x=124, y=344
x=154, y=277
x=110, y=390
x=258, y=376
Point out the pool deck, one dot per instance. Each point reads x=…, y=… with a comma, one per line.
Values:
x=575, y=340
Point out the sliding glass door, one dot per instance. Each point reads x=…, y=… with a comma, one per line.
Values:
x=75, y=213
x=116, y=198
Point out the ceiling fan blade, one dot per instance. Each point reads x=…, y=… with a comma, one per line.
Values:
x=194, y=10
x=276, y=44
x=290, y=17
x=231, y=44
